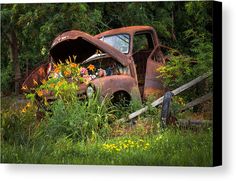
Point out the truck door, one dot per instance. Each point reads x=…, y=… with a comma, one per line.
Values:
x=153, y=85
x=147, y=57
x=142, y=47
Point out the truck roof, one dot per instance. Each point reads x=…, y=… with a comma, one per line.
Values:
x=129, y=30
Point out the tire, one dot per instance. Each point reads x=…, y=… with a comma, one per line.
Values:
x=121, y=98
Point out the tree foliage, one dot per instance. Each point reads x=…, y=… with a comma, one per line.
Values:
x=185, y=26
x=196, y=56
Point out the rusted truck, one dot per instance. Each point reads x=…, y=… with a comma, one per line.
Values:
x=130, y=57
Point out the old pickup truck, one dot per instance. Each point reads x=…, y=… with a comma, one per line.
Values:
x=133, y=51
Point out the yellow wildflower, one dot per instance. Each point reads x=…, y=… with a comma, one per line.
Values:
x=159, y=137
x=117, y=149
x=28, y=104
x=125, y=146
x=23, y=110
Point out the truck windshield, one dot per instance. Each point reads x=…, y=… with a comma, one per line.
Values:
x=119, y=41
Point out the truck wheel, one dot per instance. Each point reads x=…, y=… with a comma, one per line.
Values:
x=121, y=98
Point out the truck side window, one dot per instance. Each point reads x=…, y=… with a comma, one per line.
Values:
x=142, y=42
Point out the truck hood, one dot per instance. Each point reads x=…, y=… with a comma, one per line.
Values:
x=83, y=46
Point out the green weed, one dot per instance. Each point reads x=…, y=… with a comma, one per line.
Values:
x=172, y=148
x=87, y=133
x=79, y=120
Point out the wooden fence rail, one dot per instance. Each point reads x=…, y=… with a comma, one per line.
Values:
x=197, y=101
x=160, y=100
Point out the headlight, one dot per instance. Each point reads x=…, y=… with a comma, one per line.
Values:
x=90, y=91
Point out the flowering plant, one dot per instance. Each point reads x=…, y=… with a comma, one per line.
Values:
x=63, y=80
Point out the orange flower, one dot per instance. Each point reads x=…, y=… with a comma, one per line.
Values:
x=40, y=93
x=91, y=67
x=67, y=73
x=57, y=70
x=73, y=65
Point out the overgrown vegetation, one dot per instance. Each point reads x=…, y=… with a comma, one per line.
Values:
x=73, y=131
x=184, y=26
x=86, y=133
x=78, y=120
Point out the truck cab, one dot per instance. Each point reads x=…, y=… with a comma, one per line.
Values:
x=141, y=45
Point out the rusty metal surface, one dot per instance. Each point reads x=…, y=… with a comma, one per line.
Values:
x=35, y=78
x=153, y=85
x=110, y=84
x=107, y=85
x=75, y=34
x=130, y=30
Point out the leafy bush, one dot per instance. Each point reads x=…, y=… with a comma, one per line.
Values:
x=177, y=71
x=78, y=119
x=183, y=68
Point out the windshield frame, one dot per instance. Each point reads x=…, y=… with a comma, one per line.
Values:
x=117, y=34
x=95, y=57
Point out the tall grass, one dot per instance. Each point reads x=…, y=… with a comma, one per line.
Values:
x=79, y=120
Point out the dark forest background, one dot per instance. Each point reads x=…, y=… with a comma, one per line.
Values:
x=27, y=31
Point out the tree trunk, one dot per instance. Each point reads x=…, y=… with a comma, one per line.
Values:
x=15, y=60
x=173, y=25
